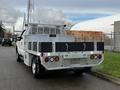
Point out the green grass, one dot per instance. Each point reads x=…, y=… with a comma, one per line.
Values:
x=111, y=64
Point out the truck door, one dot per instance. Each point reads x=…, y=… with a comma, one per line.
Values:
x=21, y=44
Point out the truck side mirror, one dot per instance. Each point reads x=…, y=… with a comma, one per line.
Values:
x=65, y=25
x=26, y=25
x=19, y=38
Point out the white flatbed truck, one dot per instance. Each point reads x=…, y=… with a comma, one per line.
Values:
x=46, y=47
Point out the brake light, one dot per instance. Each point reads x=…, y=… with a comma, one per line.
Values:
x=96, y=56
x=56, y=58
x=99, y=56
x=92, y=57
x=52, y=59
x=46, y=59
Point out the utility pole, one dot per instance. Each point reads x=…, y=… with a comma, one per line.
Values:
x=30, y=10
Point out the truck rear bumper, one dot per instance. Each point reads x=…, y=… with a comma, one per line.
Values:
x=73, y=60
x=75, y=66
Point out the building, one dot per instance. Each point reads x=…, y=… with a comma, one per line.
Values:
x=86, y=36
x=117, y=36
x=104, y=25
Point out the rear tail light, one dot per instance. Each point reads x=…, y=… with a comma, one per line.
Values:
x=96, y=56
x=56, y=58
x=92, y=57
x=52, y=59
x=46, y=59
x=99, y=56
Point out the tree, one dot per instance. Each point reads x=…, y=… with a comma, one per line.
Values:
x=1, y=30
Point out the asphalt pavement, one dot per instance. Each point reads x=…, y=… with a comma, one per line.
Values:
x=16, y=76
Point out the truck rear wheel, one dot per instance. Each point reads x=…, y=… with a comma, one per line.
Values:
x=2, y=44
x=78, y=72
x=88, y=69
x=37, y=71
x=81, y=71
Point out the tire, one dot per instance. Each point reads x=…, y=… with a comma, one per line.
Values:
x=2, y=44
x=10, y=45
x=78, y=72
x=18, y=56
x=81, y=71
x=88, y=69
x=36, y=67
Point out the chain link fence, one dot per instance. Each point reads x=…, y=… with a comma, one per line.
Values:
x=112, y=41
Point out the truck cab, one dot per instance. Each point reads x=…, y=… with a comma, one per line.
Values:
x=47, y=47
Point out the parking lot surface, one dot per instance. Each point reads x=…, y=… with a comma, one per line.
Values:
x=16, y=76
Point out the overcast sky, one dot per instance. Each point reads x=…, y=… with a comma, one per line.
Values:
x=74, y=10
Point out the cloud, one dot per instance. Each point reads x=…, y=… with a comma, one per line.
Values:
x=8, y=11
x=69, y=5
x=82, y=5
x=79, y=3
x=49, y=16
x=44, y=16
x=19, y=24
x=13, y=3
x=9, y=15
x=78, y=17
x=73, y=9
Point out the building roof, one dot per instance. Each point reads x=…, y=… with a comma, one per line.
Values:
x=104, y=24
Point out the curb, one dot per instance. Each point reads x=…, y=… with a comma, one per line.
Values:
x=105, y=77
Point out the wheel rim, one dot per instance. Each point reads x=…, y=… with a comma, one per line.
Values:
x=33, y=68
